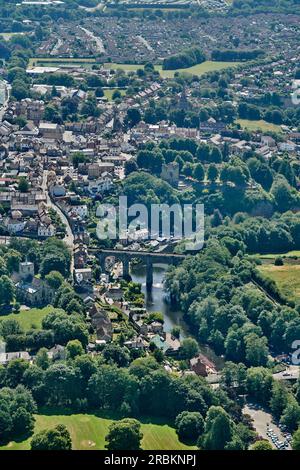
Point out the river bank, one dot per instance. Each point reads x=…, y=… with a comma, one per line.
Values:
x=156, y=301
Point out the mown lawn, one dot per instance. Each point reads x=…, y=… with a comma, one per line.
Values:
x=29, y=318
x=7, y=36
x=109, y=92
x=88, y=433
x=199, y=69
x=261, y=125
x=289, y=254
x=53, y=61
x=287, y=278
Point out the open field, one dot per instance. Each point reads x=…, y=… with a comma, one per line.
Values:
x=29, y=318
x=7, y=36
x=109, y=92
x=100, y=6
x=198, y=69
x=88, y=433
x=258, y=125
x=287, y=278
x=289, y=254
x=201, y=69
x=55, y=61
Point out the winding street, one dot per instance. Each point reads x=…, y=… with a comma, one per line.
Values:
x=69, y=237
x=5, y=104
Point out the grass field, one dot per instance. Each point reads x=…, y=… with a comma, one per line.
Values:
x=258, y=125
x=289, y=254
x=7, y=36
x=88, y=433
x=287, y=278
x=199, y=69
x=29, y=318
x=55, y=61
x=109, y=92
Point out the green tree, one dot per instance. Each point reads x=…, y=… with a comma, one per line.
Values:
x=78, y=157
x=216, y=155
x=176, y=331
x=261, y=445
x=279, y=399
x=189, y=425
x=218, y=429
x=23, y=421
x=199, y=173
x=16, y=412
x=283, y=195
x=203, y=152
x=54, y=262
x=212, y=173
x=256, y=350
x=20, y=90
x=133, y=116
x=74, y=348
x=42, y=359
x=12, y=259
x=15, y=372
x=291, y=416
x=189, y=348
x=7, y=290
x=54, y=279
x=296, y=440
x=61, y=384
x=23, y=185
x=216, y=218
x=124, y=435
x=10, y=326
x=116, y=95
x=114, y=353
x=57, y=438
x=259, y=384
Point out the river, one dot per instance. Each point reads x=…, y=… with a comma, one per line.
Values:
x=156, y=302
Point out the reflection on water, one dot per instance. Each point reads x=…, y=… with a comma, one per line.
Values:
x=156, y=299
x=156, y=302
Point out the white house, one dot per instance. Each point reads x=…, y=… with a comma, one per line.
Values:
x=46, y=230
x=287, y=146
x=100, y=185
x=80, y=211
x=14, y=226
x=5, y=358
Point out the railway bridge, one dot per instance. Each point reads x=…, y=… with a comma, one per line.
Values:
x=124, y=256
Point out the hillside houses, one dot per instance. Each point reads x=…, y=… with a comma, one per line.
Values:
x=30, y=221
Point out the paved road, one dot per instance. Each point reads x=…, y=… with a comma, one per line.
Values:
x=98, y=41
x=69, y=237
x=5, y=104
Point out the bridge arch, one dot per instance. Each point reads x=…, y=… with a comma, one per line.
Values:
x=149, y=258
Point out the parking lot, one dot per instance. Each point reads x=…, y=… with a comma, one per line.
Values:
x=267, y=429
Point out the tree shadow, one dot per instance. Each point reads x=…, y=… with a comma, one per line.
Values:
x=17, y=439
x=6, y=310
x=104, y=414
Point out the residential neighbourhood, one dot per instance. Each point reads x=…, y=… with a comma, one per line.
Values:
x=129, y=335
